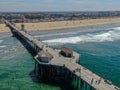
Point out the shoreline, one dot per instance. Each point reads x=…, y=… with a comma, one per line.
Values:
x=5, y=34
x=82, y=29
x=85, y=29
x=59, y=25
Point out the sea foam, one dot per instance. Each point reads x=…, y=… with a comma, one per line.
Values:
x=116, y=28
x=89, y=37
x=1, y=41
x=2, y=46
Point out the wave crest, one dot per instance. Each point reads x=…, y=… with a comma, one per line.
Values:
x=96, y=37
x=2, y=46
x=116, y=28
x=1, y=41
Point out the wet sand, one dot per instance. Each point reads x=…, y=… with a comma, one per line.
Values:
x=81, y=29
x=5, y=34
x=73, y=30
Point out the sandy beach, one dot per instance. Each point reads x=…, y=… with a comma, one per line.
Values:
x=62, y=24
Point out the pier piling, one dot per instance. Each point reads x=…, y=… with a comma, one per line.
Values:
x=53, y=65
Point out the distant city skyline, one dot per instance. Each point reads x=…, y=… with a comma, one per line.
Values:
x=58, y=5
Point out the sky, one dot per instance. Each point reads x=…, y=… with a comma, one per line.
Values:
x=58, y=5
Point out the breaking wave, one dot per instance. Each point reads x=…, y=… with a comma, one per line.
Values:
x=1, y=41
x=89, y=37
x=69, y=33
x=2, y=46
x=116, y=28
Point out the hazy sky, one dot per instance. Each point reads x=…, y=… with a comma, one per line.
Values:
x=59, y=5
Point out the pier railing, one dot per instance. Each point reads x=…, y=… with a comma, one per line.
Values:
x=95, y=81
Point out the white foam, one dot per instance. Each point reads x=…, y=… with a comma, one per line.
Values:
x=116, y=28
x=98, y=37
x=2, y=46
x=1, y=41
x=68, y=33
x=64, y=40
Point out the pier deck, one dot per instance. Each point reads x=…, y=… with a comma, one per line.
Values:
x=89, y=77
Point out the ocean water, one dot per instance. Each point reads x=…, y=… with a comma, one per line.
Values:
x=100, y=52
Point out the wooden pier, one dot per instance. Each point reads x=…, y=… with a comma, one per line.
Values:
x=59, y=66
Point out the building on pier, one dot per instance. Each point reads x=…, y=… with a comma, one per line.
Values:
x=60, y=68
x=44, y=56
x=66, y=52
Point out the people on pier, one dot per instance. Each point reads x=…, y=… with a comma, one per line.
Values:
x=77, y=70
x=99, y=80
x=96, y=82
x=64, y=65
x=92, y=81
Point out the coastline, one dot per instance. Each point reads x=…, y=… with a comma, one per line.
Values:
x=5, y=34
x=59, y=25
x=82, y=29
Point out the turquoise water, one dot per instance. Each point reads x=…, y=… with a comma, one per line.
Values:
x=100, y=52
x=16, y=64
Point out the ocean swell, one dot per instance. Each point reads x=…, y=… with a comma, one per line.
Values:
x=56, y=34
x=88, y=37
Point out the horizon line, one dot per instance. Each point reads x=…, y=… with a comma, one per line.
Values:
x=59, y=11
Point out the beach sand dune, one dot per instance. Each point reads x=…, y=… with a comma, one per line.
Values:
x=61, y=24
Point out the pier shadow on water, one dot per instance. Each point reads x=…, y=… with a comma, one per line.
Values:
x=29, y=48
x=64, y=85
